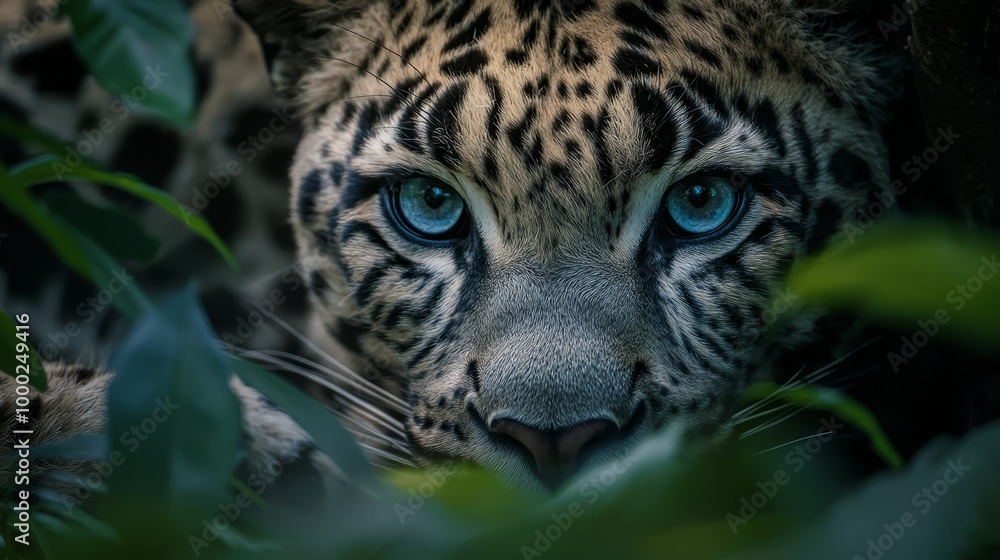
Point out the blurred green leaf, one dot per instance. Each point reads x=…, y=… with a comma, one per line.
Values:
x=321, y=423
x=942, y=505
x=112, y=228
x=77, y=251
x=46, y=169
x=28, y=134
x=173, y=416
x=899, y=273
x=139, y=50
x=9, y=353
x=815, y=397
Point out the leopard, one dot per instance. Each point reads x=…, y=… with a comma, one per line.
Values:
x=541, y=232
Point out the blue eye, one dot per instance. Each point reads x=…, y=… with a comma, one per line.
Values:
x=701, y=204
x=429, y=209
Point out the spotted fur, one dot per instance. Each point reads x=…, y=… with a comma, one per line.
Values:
x=562, y=125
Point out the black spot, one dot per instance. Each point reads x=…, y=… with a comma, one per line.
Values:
x=357, y=189
x=411, y=49
x=472, y=372
x=613, y=88
x=705, y=127
x=693, y=12
x=54, y=66
x=573, y=9
x=634, y=40
x=444, y=136
x=849, y=170
x=517, y=133
x=149, y=151
x=318, y=283
x=639, y=370
x=365, y=127
x=406, y=127
x=336, y=172
x=828, y=217
x=637, y=19
x=516, y=56
x=704, y=53
x=365, y=229
x=707, y=91
x=496, y=95
x=780, y=62
x=805, y=143
x=765, y=119
x=584, y=89
x=561, y=90
x=634, y=64
x=659, y=129
x=468, y=63
x=583, y=55
x=754, y=65
x=524, y=8
x=471, y=33
x=562, y=119
x=309, y=188
x=458, y=14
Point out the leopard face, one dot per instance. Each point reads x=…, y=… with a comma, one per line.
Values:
x=556, y=226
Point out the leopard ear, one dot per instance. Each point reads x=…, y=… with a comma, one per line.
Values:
x=874, y=63
x=295, y=35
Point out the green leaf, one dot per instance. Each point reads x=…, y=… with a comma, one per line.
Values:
x=943, y=505
x=815, y=397
x=319, y=422
x=77, y=251
x=28, y=134
x=175, y=419
x=899, y=273
x=139, y=50
x=45, y=169
x=9, y=352
x=112, y=228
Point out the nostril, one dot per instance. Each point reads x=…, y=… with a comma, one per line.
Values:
x=555, y=451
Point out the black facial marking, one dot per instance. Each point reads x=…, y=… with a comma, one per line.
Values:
x=765, y=119
x=637, y=19
x=365, y=126
x=805, y=143
x=472, y=372
x=496, y=95
x=828, y=217
x=848, y=170
x=704, y=53
x=471, y=33
x=467, y=63
x=659, y=129
x=309, y=188
x=634, y=64
x=444, y=134
x=458, y=14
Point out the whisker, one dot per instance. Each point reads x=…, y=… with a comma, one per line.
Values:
x=386, y=455
x=374, y=413
x=364, y=385
x=791, y=442
x=766, y=400
x=305, y=340
x=381, y=46
x=404, y=96
x=765, y=413
x=771, y=424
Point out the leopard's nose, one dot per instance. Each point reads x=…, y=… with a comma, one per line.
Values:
x=555, y=451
